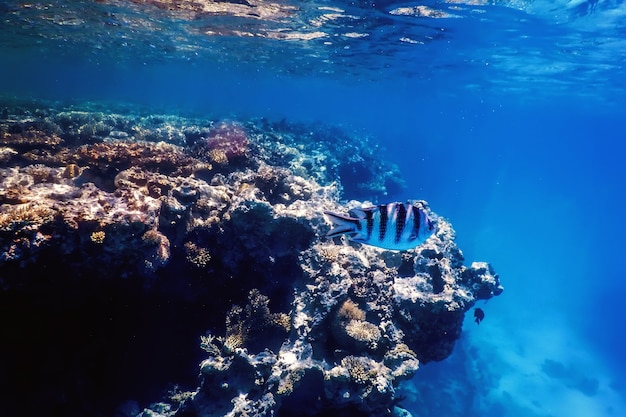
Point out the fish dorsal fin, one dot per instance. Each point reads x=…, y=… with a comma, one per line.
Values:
x=361, y=212
x=339, y=218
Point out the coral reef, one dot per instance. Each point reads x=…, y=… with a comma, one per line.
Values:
x=382, y=325
x=228, y=139
x=226, y=145
x=221, y=227
x=354, y=162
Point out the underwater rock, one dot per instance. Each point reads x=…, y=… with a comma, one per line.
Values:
x=297, y=324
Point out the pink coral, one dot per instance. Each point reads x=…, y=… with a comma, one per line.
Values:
x=229, y=139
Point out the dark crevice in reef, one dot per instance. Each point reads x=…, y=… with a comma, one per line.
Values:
x=406, y=268
x=254, y=250
x=79, y=346
x=306, y=399
x=435, y=334
x=92, y=339
x=100, y=339
x=437, y=278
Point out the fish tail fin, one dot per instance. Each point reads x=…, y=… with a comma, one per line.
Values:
x=341, y=224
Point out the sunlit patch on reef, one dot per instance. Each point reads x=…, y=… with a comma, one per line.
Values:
x=202, y=241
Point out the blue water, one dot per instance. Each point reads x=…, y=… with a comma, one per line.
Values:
x=508, y=119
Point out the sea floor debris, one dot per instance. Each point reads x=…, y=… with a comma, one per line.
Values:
x=202, y=240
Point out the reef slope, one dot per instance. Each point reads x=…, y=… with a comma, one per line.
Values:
x=149, y=234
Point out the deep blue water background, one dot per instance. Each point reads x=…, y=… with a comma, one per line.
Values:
x=529, y=169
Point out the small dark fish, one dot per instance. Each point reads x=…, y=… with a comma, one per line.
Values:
x=395, y=226
x=479, y=315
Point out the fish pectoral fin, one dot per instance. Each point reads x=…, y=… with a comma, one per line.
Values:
x=339, y=230
x=358, y=238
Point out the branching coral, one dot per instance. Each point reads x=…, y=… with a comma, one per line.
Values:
x=30, y=139
x=6, y=154
x=229, y=137
x=287, y=384
x=41, y=173
x=352, y=330
x=196, y=255
x=23, y=217
x=245, y=326
x=359, y=369
x=350, y=310
x=226, y=145
x=364, y=332
x=116, y=156
x=272, y=182
x=13, y=194
x=209, y=345
x=159, y=251
x=218, y=157
x=98, y=237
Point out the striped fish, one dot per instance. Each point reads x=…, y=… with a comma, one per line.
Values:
x=395, y=226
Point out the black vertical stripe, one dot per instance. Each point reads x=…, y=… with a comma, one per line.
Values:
x=383, y=222
x=369, y=218
x=400, y=221
x=416, y=220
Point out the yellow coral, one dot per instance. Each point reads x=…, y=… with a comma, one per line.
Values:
x=329, y=254
x=288, y=383
x=179, y=396
x=358, y=369
x=281, y=320
x=351, y=328
x=40, y=173
x=233, y=341
x=218, y=157
x=401, y=349
x=23, y=216
x=349, y=310
x=246, y=324
x=6, y=154
x=98, y=237
x=363, y=331
x=200, y=168
x=196, y=255
x=152, y=237
x=243, y=187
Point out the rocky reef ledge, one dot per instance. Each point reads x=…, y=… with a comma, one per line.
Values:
x=133, y=248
